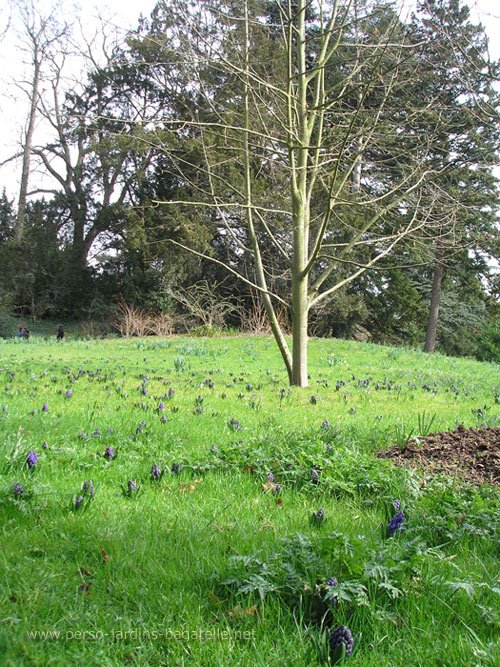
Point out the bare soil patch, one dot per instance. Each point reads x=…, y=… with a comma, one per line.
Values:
x=469, y=453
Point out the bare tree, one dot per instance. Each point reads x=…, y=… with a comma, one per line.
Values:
x=42, y=37
x=5, y=11
x=335, y=117
x=99, y=153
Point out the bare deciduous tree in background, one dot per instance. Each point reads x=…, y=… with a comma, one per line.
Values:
x=43, y=38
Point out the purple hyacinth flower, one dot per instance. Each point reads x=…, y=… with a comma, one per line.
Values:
x=270, y=476
x=332, y=581
x=396, y=504
x=163, y=419
x=277, y=489
x=341, y=638
x=325, y=424
x=313, y=400
x=155, y=472
x=45, y=407
x=109, y=453
x=4, y=408
x=31, y=459
x=314, y=475
x=45, y=445
x=78, y=502
x=17, y=489
x=175, y=468
x=320, y=513
x=395, y=524
x=88, y=486
x=132, y=487
x=161, y=406
x=69, y=393
x=214, y=449
x=235, y=424
x=170, y=392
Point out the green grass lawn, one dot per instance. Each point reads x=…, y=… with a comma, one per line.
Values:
x=220, y=561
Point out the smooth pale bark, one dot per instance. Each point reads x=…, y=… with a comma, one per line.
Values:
x=437, y=279
x=300, y=214
x=300, y=313
x=28, y=143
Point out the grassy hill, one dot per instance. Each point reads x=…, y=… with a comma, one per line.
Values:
x=187, y=508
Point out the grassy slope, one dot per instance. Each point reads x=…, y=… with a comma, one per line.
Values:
x=156, y=562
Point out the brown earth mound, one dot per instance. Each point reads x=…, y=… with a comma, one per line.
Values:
x=469, y=453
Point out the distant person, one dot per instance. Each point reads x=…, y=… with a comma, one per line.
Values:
x=20, y=330
x=26, y=334
x=60, y=332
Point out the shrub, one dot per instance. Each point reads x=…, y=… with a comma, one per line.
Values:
x=8, y=325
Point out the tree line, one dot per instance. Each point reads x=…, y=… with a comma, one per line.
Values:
x=325, y=160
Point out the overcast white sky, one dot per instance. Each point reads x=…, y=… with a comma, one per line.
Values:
x=123, y=14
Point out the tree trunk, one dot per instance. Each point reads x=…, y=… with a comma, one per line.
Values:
x=301, y=212
x=300, y=313
x=437, y=279
x=23, y=188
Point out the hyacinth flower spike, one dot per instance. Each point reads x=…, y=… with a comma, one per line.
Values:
x=330, y=587
x=109, y=453
x=131, y=489
x=85, y=497
x=17, y=489
x=88, y=486
x=31, y=459
x=394, y=524
x=156, y=473
x=341, y=644
x=317, y=518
